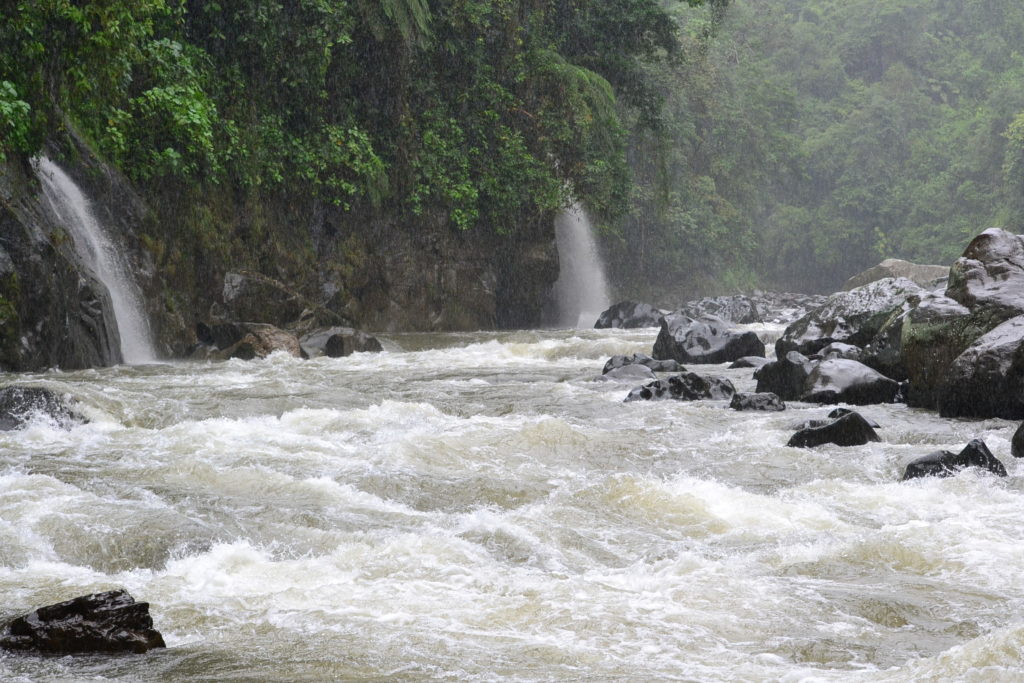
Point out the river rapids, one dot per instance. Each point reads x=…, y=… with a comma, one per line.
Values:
x=477, y=507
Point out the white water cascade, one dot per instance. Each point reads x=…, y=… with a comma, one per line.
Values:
x=581, y=290
x=102, y=258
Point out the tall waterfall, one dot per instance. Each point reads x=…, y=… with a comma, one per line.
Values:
x=581, y=290
x=100, y=256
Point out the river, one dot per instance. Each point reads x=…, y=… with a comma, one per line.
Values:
x=476, y=507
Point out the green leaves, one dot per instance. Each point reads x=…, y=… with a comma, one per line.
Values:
x=15, y=122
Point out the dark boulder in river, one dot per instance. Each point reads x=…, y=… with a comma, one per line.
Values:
x=987, y=379
x=645, y=360
x=850, y=429
x=628, y=373
x=688, y=386
x=946, y=464
x=785, y=377
x=1017, y=443
x=847, y=381
x=245, y=341
x=18, y=405
x=107, y=623
x=738, y=309
x=748, y=362
x=629, y=315
x=765, y=401
x=337, y=342
x=705, y=340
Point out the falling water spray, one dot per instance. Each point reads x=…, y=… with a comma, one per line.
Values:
x=581, y=290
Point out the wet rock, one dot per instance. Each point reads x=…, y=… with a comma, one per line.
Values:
x=990, y=274
x=987, y=379
x=766, y=402
x=853, y=317
x=688, y=386
x=837, y=413
x=336, y=342
x=785, y=377
x=707, y=340
x=849, y=430
x=946, y=464
x=248, y=341
x=847, y=381
x=1017, y=442
x=738, y=309
x=629, y=315
x=254, y=296
x=20, y=404
x=110, y=622
x=924, y=275
x=628, y=373
x=841, y=350
x=645, y=360
x=749, y=362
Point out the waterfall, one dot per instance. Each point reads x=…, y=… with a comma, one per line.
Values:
x=581, y=291
x=104, y=261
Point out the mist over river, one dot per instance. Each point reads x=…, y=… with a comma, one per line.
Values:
x=478, y=507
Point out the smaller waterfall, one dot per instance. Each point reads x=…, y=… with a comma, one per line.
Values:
x=581, y=290
x=100, y=256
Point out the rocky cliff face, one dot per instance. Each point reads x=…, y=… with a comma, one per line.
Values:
x=275, y=259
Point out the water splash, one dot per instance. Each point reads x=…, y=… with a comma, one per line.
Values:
x=101, y=257
x=581, y=291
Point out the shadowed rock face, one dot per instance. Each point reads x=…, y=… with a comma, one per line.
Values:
x=707, y=340
x=110, y=622
x=851, y=429
x=946, y=464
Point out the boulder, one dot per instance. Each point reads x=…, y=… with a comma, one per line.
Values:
x=847, y=381
x=645, y=360
x=749, y=362
x=336, y=342
x=837, y=413
x=841, y=350
x=688, y=386
x=850, y=429
x=110, y=622
x=785, y=377
x=19, y=404
x=248, y=341
x=987, y=379
x=924, y=275
x=1017, y=442
x=990, y=274
x=738, y=309
x=707, y=340
x=765, y=401
x=853, y=317
x=946, y=464
x=629, y=315
x=628, y=373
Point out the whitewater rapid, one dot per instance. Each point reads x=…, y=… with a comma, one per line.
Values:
x=479, y=507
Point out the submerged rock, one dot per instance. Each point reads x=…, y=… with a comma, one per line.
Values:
x=765, y=401
x=110, y=622
x=19, y=404
x=629, y=315
x=628, y=373
x=688, y=386
x=704, y=340
x=850, y=429
x=946, y=464
x=645, y=360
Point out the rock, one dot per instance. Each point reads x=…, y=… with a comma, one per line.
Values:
x=1017, y=443
x=946, y=464
x=629, y=315
x=853, y=317
x=707, y=340
x=336, y=342
x=734, y=309
x=645, y=360
x=990, y=274
x=766, y=401
x=841, y=350
x=19, y=404
x=847, y=381
x=110, y=622
x=628, y=373
x=248, y=341
x=786, y=377
x=253, y=296
x=688, y=386
x=987, y=379
x=924, y=275
x=749, y=362
x=849, y=430
x=837, y=413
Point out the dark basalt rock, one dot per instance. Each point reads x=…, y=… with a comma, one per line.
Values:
x=852, y=317
x=749, y=362
x=645, y=360
x=785, y=377
x=629, y=315
x=19, y=404
x=1017, y=442
x=688, y=386
x=110, y=622
x=946, y=464
x=628, y=373
x=738, y=309
x=707, y=340
x=847, y=381
x=849, y=430
x=987, y=379
x=337, y=342
x=766, y=401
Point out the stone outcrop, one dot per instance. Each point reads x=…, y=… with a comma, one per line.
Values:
x=100, y=623
x=924, y=275
x=946, y=464
x=20, y=404
x=850, y=429
x=704, y=340
x=629, y=315
x=688, y=386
